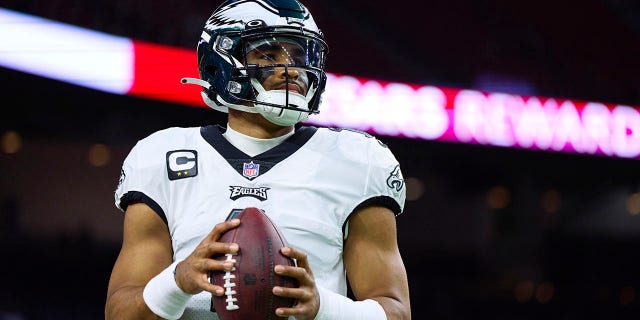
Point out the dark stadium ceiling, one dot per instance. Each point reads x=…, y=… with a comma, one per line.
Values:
x=584, y=50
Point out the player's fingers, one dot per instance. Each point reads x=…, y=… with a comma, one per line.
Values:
x=212, y=265
x=302, y=309
x=192, y=274
x=299, y=294
x=287, y=312
x=216, y=289
x=219, y=265
x=303, y=276
x=294, y=253
x=298, y=255
x=208, y=249
x=221, y=228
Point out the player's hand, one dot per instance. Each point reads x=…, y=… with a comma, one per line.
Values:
x=306, y=295
x=192, y=274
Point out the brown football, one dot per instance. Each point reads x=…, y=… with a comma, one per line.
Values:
x=248, y=288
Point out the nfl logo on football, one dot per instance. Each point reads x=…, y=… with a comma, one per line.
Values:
x=250, y=170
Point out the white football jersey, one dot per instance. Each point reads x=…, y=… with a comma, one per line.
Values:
x=308, y=185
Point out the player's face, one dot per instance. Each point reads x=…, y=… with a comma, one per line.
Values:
x=280, y=53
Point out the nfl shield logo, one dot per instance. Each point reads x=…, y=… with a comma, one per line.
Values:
x=250, y=170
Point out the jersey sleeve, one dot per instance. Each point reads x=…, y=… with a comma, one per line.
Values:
x=373, y=170
x=141, y=179
x=385, y=182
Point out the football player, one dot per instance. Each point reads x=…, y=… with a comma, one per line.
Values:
x=334, y=193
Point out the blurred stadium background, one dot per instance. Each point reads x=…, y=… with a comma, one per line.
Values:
x=488, y=232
